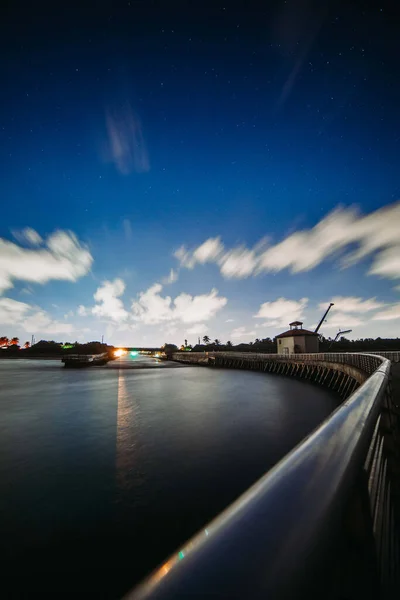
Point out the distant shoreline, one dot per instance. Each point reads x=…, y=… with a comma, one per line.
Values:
x=44, y=357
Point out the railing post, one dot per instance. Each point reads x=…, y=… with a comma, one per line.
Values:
x=359, y=564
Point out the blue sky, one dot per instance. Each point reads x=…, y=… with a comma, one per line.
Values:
x=262, y=145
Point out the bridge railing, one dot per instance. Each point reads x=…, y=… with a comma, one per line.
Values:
x=364, y=362
x=321, y=523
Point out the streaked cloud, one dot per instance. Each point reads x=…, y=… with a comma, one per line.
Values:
x=172, y=277
x=127, y=227
x=207, y=252
x=387, y=315
x=238, y=263
x=63, y=257
x=28, y=236
x=281, y=312
x=349, y=304
x=126, y=144
x=341, y=320
x=349, y=311
x=374, y=234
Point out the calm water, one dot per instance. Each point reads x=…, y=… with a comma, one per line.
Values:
x=105, y=471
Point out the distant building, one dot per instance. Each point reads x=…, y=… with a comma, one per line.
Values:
x=297, y=340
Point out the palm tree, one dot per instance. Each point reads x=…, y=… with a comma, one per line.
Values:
x=14, y=341
x=27, y=345
x=229, y=344
x=217, y=342
x=4, y=341
x=206, y=339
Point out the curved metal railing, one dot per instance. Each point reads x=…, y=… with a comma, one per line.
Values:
x=320, y=523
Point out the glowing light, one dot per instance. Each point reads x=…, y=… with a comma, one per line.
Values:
x=157, y=355
x=119, y=352
x=181, y=555
x=133, y=353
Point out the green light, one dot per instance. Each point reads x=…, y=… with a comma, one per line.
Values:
x=134, y=353
x=181, y=555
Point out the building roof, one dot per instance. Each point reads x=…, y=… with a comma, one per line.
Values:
x=295, y=333
x=296, y=323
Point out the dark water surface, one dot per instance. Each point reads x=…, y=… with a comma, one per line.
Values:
x=105, y=471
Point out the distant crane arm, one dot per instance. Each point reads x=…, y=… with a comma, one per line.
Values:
x=323, y=318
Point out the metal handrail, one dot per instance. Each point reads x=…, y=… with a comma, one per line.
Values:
x=267, y=542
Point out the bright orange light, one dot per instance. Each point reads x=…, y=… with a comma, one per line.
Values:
x=119, y=352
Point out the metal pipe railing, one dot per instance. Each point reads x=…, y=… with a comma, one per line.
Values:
x=278, y=536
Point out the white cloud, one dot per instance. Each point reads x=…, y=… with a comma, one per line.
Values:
x=230, y=321
x=191, y=309
x=281, y=312
x=375, y=233
x=387, y=315
x=197, y=329
x=41, y=322
x=29, y=318
x=349, y=304
x=151, y=308
x=108, y=302
x=241, y=333
x=11, y=311
x=82, y=311
x=172, y=277
x=64, y=258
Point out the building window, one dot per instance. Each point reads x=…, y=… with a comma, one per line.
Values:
x=280, y=341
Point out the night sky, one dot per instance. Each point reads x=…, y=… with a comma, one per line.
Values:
x=176, y=169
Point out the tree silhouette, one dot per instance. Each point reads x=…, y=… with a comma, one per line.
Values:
x=229, y=344
x=4, y=341
x=27, y=345
x=14, y=341
x=206, y=339
x=217, y=342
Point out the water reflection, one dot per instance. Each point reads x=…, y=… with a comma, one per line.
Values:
x=126, y=441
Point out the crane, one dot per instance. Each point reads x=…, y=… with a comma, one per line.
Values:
x=337, y=335
x=323, y=318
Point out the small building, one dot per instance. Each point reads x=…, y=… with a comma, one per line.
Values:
x=297, y=340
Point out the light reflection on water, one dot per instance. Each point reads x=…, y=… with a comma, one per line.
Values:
x=106, y=471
